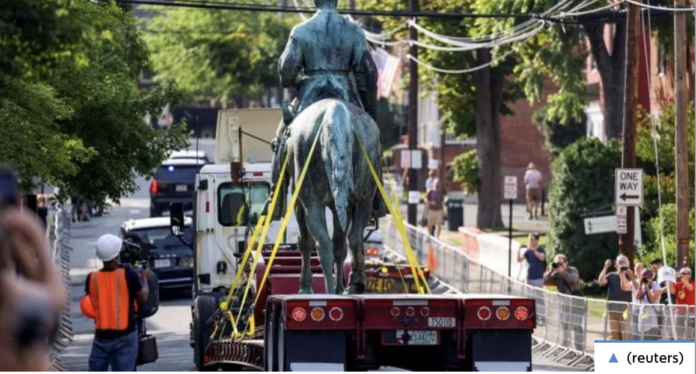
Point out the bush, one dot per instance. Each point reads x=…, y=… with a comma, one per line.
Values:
x=557, y=135
x=466, y=171
x=583, y=182
x=652, y=248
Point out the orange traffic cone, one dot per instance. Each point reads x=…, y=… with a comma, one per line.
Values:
x=432, y=262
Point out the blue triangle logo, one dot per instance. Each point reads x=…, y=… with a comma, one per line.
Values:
x=613, y=359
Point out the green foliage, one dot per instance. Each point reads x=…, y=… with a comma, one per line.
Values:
x=557, y=135
x=217, y=54
x=583, y=182
x=653, y=249
x=76, y=121
x=466, y=171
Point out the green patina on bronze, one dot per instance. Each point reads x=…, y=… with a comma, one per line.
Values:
x=328, y=61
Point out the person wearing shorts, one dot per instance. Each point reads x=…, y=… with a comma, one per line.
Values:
x=435, y=202
x=532, y=182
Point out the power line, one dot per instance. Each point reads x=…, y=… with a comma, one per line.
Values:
x=281, y=9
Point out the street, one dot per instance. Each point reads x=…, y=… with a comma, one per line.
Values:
x=171, y=323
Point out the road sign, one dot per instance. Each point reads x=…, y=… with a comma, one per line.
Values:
x=510, y=187
x=416, y=159
x=621, y=220
x=629, y=187
x=413, y=197
x=599, y=225
x=405, y=158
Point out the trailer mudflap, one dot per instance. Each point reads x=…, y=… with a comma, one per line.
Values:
x=513, y=350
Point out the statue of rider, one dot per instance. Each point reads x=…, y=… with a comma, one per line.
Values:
x=318, y=60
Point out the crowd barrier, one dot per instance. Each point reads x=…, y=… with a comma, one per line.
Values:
x=58, y=234
x=567, y=326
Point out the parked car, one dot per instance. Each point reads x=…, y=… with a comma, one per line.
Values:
x=170, y=259
x=174, y=183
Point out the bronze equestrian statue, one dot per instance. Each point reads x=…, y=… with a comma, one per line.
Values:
x=321, y=55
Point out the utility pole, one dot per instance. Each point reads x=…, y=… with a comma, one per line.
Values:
x=413, y=116
x=351, y=4
x=681, y=136
x=626, y=242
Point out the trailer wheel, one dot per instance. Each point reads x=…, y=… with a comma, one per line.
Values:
x=271, y=341
x=204, y=308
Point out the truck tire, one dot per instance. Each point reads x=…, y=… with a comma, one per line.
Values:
x=204, y=308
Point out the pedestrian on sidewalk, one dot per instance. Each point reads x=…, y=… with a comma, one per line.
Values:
x=429, y=183
x=573, y=310
x=112, y=293
x=619, y=295
x=435, y=203
x=535, y=255
x=532, y=182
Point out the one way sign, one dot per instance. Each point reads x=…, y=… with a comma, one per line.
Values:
x=629, y=187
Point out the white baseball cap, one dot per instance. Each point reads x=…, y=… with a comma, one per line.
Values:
x=108, y=247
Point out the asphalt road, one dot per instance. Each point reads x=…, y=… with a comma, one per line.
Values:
x=170, y=325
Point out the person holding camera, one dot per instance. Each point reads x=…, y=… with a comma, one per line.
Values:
x=619, y=294
x=112, y=296
x=567, y=279
x=535, y=255
x=648, y=294
x=32, y=293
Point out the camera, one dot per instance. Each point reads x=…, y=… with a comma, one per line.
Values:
x=623, y=268
x=134, y=251
x=645, y=280
x=555, y=265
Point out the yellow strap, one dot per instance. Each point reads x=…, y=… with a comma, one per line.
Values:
x=415, y=268
x=395, y=202
x=266, y=225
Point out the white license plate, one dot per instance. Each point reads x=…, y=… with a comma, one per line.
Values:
x=163, y=263
x=418, y=337
x=441, y=322
x=181, y=188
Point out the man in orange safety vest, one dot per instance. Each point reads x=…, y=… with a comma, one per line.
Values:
x=111, y=300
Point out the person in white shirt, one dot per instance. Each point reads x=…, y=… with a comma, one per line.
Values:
x=647, y=297
x=429, y=183
x=532, y=181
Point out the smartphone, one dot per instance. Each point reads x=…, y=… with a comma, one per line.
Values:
x=8, y=187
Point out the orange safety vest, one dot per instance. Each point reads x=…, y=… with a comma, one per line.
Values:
x=108, y=291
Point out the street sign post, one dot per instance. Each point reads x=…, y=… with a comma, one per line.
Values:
x=621, y=220
x=628, y=187
x=510, y=187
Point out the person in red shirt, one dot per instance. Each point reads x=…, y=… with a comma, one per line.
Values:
x=684, y=291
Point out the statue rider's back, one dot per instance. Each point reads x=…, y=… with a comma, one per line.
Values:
x=320, y=55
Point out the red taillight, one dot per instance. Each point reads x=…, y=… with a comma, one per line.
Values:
x=484, y=313
x=299, y=314
x=207, y=206
x=153, y=186
x=371, y=252
x=521, y=313
x=410, y=311
x=336, y=314
x=425, y=311
x=317, y=314
x=258, y=174
x=406, y=271
x=395, y=311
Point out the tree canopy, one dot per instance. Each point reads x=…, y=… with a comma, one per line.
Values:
x=218, y=55
x=75, y=116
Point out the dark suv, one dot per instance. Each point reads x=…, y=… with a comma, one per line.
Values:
x=174, y=183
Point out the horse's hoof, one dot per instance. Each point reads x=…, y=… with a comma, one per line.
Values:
x=356, y=289
x=340, y=291
x=305, y=291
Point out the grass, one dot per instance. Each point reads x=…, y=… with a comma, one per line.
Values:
x=543, y=240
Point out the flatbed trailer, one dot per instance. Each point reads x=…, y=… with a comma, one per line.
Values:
x=365, y=332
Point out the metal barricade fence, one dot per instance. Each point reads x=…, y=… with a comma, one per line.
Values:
x=58, y=235
x=567, y=326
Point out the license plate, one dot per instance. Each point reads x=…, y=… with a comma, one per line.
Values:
x=441, y=322
x=411, y=337
x=181, y=188
x=388, y=285
x=165, y=263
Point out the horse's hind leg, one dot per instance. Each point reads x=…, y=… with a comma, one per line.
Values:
x=340, y=253
x=315, y=219
x=360, y=217
x=306, y=247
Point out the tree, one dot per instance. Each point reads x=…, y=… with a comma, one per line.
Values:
x=582, y=184
x=216, y=54
x=77, y=123
x=557, y=135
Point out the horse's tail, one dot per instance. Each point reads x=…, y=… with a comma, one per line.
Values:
x=338, y=157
